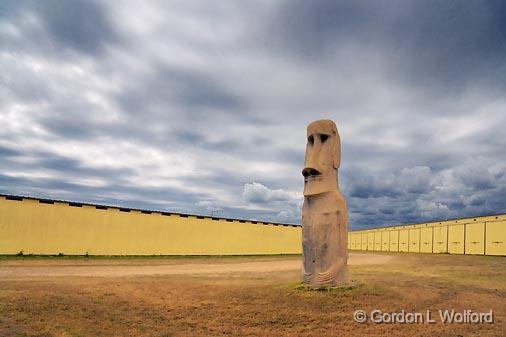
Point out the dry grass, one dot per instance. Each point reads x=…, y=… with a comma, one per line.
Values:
x=252, y=304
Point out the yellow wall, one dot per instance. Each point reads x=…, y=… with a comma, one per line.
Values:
x=35, y=227
x=38, y=228
x=484, y=235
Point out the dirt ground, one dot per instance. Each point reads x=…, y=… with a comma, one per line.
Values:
x=23, y=268
x=244, y=296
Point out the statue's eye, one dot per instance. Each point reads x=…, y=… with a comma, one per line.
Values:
x=324, y=138
x=310, y=139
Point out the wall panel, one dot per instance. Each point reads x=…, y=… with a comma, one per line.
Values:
x=440, y=239
x=394, y=241
x=385, y=241
x=364, y=238
x=358, y=240
x=456, y=238
x=475, y=238
x=495, y=238
x=426, y=240
x=377, y=240
x=370, y=240
x=404, y=240
x=414, y=240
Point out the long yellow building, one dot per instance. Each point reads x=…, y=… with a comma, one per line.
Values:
x=41, y=226
x=485, y=235
x=51, y=227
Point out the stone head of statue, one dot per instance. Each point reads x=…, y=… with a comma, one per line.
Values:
x=323, y=157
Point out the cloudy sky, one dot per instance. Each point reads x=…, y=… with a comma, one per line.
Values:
x=201, y=106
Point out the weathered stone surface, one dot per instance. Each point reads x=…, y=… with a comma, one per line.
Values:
x=324, y=213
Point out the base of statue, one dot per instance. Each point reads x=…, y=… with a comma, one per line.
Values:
x=339, y=287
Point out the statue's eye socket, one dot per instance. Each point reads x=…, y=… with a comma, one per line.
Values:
x=310, y=139
x=324, y=138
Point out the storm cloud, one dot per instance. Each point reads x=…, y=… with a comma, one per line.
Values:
x=201, y=107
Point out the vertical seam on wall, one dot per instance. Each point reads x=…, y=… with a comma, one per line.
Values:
x=447, y=239
x=432, y=248
x=408, y=241
x=484, y=238
x=465, y=230
x=419, y=240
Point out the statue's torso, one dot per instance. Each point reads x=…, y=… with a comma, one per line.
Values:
x=324, y=220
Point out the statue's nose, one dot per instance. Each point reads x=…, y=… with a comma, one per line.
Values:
x=311, y=163
x=308, y=172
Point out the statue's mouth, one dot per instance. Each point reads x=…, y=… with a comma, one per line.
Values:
x=310, y=173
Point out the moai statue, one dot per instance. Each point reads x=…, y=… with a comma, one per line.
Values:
x=324, y=212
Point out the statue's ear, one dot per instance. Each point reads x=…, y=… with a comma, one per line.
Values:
x=336, y=151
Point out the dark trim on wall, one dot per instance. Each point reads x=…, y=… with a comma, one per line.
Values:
x=144, y=211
